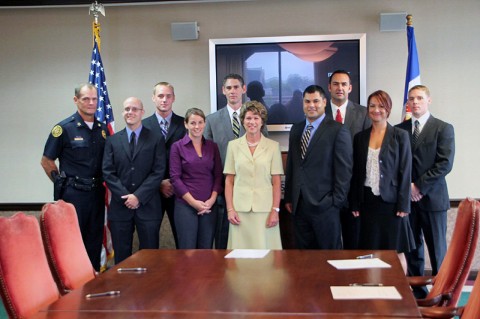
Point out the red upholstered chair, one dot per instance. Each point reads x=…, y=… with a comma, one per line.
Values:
x=448, y=283
x=26, y=283
x=470, y=311
x=64, y=246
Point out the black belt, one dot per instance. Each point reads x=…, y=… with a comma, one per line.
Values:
x=85, y=184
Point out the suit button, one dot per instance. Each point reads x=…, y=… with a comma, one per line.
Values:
x=381, y=176
x=133, y=184
x=133, y=168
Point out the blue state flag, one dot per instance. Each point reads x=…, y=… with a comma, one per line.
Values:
x=413, y=70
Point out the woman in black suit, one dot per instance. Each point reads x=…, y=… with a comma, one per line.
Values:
x=380, y=190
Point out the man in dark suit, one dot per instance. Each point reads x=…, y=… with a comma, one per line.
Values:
x=219, y=128
x=354, y=117
x=433, y=151
x=319, y=169
x=133, y=168
x=169, y=126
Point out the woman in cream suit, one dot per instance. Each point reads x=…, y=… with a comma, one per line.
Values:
x=253, y=167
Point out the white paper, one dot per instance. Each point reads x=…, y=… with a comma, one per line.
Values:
x=358, y=263
x=248, y=253
x=354, y=293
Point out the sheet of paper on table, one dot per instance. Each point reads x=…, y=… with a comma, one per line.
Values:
x=358, y=263
x=353, y=293
x=248, y=253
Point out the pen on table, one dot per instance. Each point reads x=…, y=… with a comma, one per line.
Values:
x=365, y=256
x=137, y=269
x=104, y=294
x=368, y=284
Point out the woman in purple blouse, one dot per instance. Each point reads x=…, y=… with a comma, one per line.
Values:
x=196, y=176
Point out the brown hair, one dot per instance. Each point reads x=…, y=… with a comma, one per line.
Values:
x=384, y=100
x=256, y=108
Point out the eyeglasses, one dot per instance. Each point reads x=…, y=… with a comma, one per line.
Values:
x=133, y=109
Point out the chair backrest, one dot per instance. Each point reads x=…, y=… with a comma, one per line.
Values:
x=64, y=246
x=26, y=283
x=459, y=257
x=472, y=308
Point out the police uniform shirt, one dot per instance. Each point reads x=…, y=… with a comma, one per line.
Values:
x=78, y=148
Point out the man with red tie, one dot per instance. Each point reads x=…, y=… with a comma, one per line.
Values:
x=354, y=117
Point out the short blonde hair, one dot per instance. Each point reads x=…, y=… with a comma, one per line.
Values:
x=256, y=108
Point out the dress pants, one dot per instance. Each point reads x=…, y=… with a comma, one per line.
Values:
x=221, y=230
x=148, y=232
x=429, y=228
x=194, y=231
x=90, y=207
x=315, y=229
x=350, y=229
x=168, y=205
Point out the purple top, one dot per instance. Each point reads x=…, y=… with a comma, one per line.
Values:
x=191, y=173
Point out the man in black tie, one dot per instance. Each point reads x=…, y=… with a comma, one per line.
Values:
x=433, y=151
x=133, y=168
x=319, y=169
x=170, y=127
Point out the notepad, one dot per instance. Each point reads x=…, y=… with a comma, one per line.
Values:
x=355, y=293
x=343, y=264
x=248, y=253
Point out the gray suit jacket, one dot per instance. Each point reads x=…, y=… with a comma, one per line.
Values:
x=356, y=117
x=433, y=157
x=140, y=175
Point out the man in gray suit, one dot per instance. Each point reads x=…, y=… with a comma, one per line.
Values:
x=355, y=118
x=433, y=151
x=222, y=127
x=319, y=169
x=133, y=168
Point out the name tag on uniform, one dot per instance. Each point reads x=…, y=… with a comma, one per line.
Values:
x=78, y=138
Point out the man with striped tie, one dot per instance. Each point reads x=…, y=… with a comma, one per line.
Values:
x=319, y=169
x=170, y=127
x=222, y=127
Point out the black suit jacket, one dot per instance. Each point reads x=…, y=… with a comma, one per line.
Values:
x=140, y=175
x=356, y=117
x=176, y=131
x=323, y=176
x=395, y=161
x=433, y=157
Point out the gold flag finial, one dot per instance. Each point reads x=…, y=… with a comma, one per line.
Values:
x=409, y=20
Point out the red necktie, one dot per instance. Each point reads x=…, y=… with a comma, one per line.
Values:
x=339, y=118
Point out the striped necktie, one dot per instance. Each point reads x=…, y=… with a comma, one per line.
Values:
x=236, y=125
x=305, y=139
x=416, y=132
x=164, y=127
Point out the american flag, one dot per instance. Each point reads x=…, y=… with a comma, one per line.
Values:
x=103, y=114
x=104, y=111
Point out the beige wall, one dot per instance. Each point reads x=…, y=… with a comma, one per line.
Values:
x=46, y=52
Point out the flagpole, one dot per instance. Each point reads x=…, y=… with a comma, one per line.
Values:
x=103, y=114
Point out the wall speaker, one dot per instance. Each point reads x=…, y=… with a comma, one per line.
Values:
x=184, y=31
x=393, y=21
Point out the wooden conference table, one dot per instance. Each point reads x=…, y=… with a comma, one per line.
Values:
x=182, y=284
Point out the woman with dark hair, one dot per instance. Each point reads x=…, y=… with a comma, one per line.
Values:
x=196, y=176
x=380, y=188
x=253, y=167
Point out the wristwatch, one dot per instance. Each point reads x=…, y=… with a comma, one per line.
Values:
x=276, y=209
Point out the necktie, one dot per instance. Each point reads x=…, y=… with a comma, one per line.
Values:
x=236, y=125
x=164, y=128
x=416, y=132
x=132, y=143
x=339, y=118
x=305, y=139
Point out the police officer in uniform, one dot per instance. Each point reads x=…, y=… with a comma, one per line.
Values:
x=78, y=143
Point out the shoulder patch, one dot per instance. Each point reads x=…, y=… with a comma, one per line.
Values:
x=57, y=131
